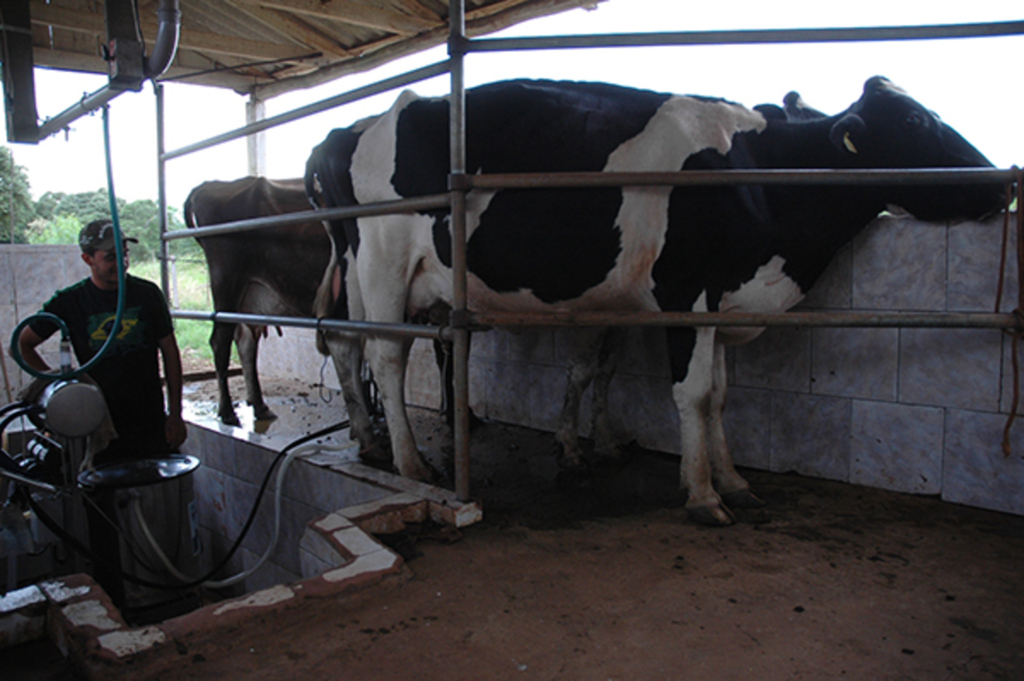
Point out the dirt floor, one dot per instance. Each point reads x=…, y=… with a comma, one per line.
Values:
x=610, y=580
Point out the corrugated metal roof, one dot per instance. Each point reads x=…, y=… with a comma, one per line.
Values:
x=273, y=46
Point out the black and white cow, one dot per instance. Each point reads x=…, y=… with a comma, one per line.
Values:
x=744, y=248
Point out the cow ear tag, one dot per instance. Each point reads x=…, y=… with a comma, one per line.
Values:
x=848, y=143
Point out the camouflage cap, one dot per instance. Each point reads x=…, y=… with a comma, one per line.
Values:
x=98, y=235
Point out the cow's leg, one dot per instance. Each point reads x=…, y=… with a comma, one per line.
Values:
x=220, y=343
x=446, y=369
x=248, y=340
x=693, y=376
x=606, y=444
x=734, y=490
x=582, y=366
x=346, y=354
x=388, y=359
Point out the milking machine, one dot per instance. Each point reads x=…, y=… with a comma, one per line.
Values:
x=150, y=501
x=51, y=486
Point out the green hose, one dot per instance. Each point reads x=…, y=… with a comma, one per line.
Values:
x=65, y=333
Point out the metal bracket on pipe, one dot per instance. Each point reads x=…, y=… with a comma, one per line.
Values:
x=464, y=319
x=459, y=182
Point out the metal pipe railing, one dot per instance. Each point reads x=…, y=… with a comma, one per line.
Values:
x=430, y=202
x=370, y=90
x=460, y=286
x=793, y=176
x=462, y=182
x=865, y=319
x=441, y=333
x=748, y=37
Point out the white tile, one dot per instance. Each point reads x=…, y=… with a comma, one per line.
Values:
x=779, y=359
x=748, y=419
x=855, y=362
x=900, y=264
x=974, y=257
x=951, y=368
x=975, y=470
x=811, y=435
x=897, y=447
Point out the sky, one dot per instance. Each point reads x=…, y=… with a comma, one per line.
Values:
x=973, y=84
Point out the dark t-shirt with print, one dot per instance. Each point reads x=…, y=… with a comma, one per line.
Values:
x=128, y=374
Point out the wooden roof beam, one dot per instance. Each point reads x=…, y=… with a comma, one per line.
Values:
x=87, y=22
x=354, y=13
x=297, y=29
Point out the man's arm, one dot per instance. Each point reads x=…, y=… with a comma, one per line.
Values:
x=175, y=430
x=28, y=340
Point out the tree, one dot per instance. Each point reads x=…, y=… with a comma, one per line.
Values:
x=16, y=209
x=62, y=229
x=47, y=204
x=58, y=213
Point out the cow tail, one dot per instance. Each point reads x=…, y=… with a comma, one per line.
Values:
x=190, y=220
x=323, y=303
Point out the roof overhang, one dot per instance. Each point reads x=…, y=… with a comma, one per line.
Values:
x=269, y=47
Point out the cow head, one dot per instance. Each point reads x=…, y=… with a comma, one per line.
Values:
x=886, y=128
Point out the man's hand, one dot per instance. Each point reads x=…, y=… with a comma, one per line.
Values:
x=175, y=431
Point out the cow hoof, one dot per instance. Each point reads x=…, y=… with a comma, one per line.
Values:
x=229, y=419
x=263, y=413
x=742, y=498
x=714, y=515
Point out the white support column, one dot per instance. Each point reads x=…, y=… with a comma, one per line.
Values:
x=255, y=110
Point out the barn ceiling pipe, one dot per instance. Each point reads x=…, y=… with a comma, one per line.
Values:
x=163, y=52
x=167, y=33
x=87, y=104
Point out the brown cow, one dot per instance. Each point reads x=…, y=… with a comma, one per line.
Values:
x=273, y=271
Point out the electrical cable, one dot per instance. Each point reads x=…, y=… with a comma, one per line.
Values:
x=229, y=581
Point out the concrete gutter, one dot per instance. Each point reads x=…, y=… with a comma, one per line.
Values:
x=340, y=548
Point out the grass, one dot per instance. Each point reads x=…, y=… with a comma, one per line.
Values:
x=190, y=290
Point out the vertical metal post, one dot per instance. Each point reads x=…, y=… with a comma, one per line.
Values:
x=256, y=145
x=457, y=133
x=161, y=179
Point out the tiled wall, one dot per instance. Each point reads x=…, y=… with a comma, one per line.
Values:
x=911, y=410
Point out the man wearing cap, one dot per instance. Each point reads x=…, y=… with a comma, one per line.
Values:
x=128, y=374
